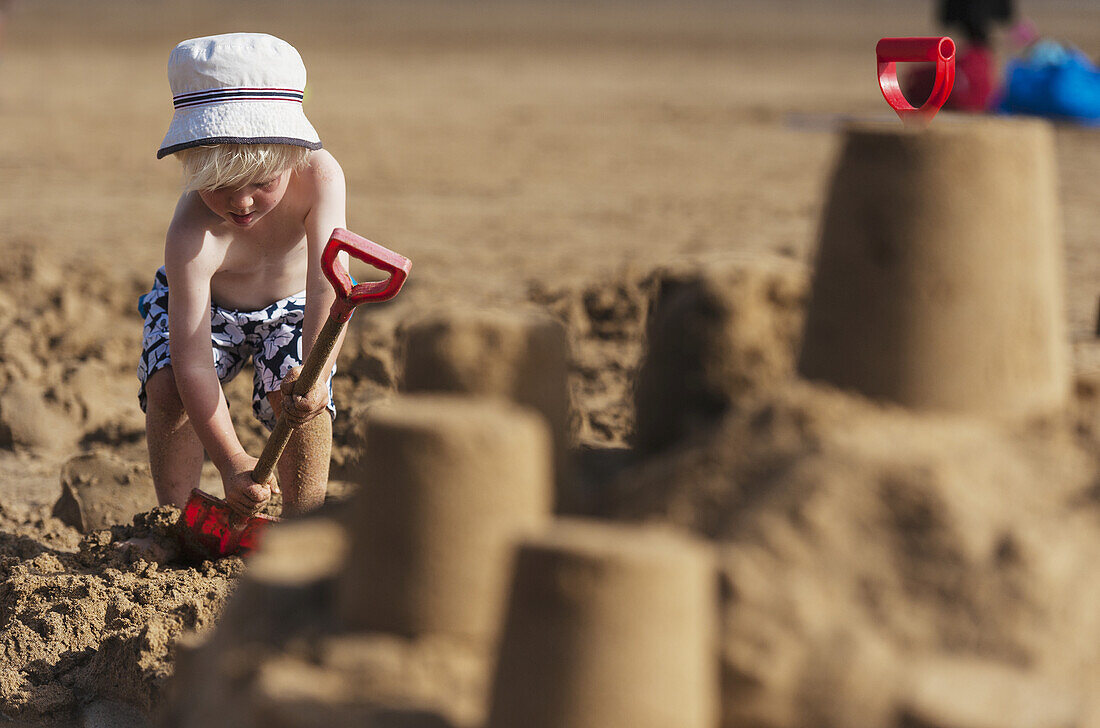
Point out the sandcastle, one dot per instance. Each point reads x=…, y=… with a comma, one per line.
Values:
x=938, y=282
x=937, y=293
x=520, y=356
x=937, y=286
x=932, y=301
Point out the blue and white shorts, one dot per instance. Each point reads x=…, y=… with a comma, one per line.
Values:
x=271, y=337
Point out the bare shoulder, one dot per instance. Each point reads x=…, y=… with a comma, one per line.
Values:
x=323, y=173
x=188, y=243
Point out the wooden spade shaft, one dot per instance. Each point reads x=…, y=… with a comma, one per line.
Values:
x=311, y=373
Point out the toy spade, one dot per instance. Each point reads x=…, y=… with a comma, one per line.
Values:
x=210, y=528
x=891, y=51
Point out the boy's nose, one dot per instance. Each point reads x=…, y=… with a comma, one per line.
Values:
x=241, y=201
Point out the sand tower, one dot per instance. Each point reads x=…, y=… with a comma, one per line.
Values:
x=714, y=334
x=518, y=355
x=608, y=626
x=447, y=485
x=938, y=282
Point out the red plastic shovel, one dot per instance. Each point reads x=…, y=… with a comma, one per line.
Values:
x=891, y=51
x=211, y=528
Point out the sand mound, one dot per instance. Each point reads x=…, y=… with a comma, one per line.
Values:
x=66, y=366
x=35, y=529
x=99, y=623
x=844, y=525
x=711, y=336
x=99, y=490
x=604, y=323
x=30, y=418
x=279, y=656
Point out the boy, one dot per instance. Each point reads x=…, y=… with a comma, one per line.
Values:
x=242, y=258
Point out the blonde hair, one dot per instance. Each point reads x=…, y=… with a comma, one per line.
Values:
x=217, y=166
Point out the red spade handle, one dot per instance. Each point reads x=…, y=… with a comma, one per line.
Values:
x=891, y=51
x=350, y=294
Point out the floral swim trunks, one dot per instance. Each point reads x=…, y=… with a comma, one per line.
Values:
x=271, y=337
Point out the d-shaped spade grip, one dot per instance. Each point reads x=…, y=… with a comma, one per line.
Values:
x=891, y=51
x=349, y=294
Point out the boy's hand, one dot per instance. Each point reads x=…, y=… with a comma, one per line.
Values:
x=245, y=497
x=300, y=409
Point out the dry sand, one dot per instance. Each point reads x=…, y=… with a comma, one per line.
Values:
x=542, y=154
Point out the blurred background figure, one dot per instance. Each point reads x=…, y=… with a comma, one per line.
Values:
x=976, y=69
x=975, y=64
x=975, y=18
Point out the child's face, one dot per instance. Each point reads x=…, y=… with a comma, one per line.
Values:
x=245, y=206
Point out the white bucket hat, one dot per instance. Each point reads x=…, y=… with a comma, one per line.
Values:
x=237, y=88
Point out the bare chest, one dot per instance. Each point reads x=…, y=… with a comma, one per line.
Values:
x=257, y=270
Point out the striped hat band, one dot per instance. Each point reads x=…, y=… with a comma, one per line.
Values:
x=219, y=95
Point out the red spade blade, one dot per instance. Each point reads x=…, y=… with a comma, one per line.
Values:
x=211, y=530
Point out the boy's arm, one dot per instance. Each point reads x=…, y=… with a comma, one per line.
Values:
x=189, y=273
x=326, y=213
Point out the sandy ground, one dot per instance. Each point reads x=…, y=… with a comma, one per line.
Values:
x=511, y=150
